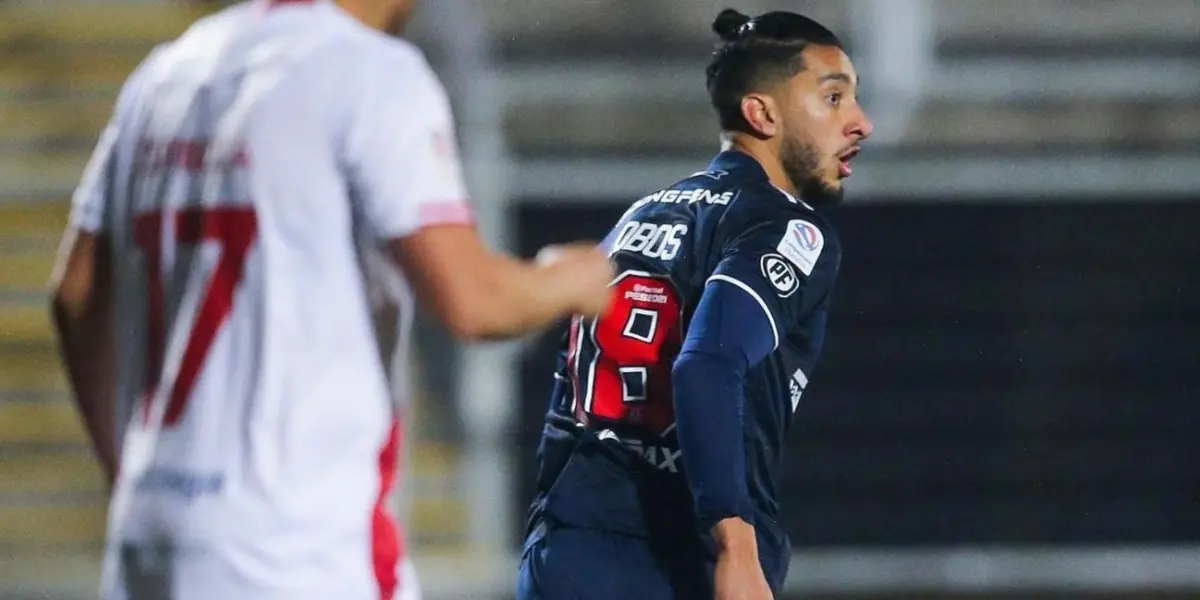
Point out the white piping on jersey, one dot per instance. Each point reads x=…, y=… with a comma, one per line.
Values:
x=632, y=272
x=591, y=387
x=791, y=198
x=757, y=298
x=578, y=368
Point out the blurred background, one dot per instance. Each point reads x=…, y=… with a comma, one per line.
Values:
x=1009, y=401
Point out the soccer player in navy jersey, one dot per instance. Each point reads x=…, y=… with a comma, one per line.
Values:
x=657, y=468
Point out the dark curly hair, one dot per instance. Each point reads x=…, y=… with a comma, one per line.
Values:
x=754, y=53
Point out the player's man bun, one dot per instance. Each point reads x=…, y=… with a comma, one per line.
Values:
x=755, y=52
x=728, y=25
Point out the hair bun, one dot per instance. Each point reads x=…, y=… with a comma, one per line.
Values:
x=728, y=25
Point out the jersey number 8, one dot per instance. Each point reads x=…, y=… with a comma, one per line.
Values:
x=620, y=363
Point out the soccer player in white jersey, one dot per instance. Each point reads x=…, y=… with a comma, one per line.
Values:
x=211, y=303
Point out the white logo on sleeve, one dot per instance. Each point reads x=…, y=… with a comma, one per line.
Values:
x=796, y=387
x=780, y=274
x=802, y=244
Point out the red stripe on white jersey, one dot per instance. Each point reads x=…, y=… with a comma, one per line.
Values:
x=387, y=543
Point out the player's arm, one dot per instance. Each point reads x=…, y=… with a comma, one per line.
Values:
x=480, y=294
x=405, y=171
x=760, y=289
x=82, y=307
x=82, y=311
x=729, y=333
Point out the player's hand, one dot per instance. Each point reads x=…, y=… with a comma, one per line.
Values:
x=739, y=576
x=584, y=272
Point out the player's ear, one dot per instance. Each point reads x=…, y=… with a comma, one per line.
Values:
x=762, y=114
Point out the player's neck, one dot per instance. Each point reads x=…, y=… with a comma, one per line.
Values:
x=766, y=159
x=372, y=14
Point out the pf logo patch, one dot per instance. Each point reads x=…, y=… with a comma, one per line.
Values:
x=780, y=273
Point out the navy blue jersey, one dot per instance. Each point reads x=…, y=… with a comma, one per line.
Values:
x=719, y=261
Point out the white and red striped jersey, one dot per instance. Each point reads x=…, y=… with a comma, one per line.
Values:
x=247, y=165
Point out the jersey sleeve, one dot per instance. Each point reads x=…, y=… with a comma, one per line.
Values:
x=787, y=266
x=402, y=154
x=92, y=198
x=90, y=201
x=727, y=335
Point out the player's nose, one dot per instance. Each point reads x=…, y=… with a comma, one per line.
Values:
x=859, y=126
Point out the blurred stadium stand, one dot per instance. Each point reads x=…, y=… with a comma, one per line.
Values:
x=59, y=70
x=1008, y=406
x=61, y=66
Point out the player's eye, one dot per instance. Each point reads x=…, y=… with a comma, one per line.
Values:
x=835, y=98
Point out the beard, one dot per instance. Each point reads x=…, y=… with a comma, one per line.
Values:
x=802, y=164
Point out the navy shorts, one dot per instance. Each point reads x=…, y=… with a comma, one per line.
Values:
x=569, y=563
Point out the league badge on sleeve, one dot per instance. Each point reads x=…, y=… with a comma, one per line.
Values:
x=781, y=275
x=802, y=244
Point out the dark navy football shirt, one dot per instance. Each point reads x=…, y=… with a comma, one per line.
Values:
x=670, y=411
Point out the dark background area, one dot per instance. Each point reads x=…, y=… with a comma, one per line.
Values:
x=995, y=373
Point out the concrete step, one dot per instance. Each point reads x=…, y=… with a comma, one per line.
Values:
x=614, y=28
x=59, y=24
x=585, y=125
x=25, y=325
x=446, y=573
x=40, y=423
x=60, y=471
x=29, y=73
x=533, y=29
x=1066, y=22
x=25, y=261
x=58, y=573
x=438, y=516
x=40, y=175
x=32, y=120
x=42, y=525
x=33, y=367
x=33, y=218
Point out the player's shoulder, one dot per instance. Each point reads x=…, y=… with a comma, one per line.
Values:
x=792, y=228
x=339, y=47
x=192, y=53
x=388, y=57
x=205, y=33
x=761, y=205
x=148, y=73
x=766, y=218
x=795, y=216
x=395, y=73
x=714, y=187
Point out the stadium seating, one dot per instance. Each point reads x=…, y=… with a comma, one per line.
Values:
x=60, y=73
x=1005, y=75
